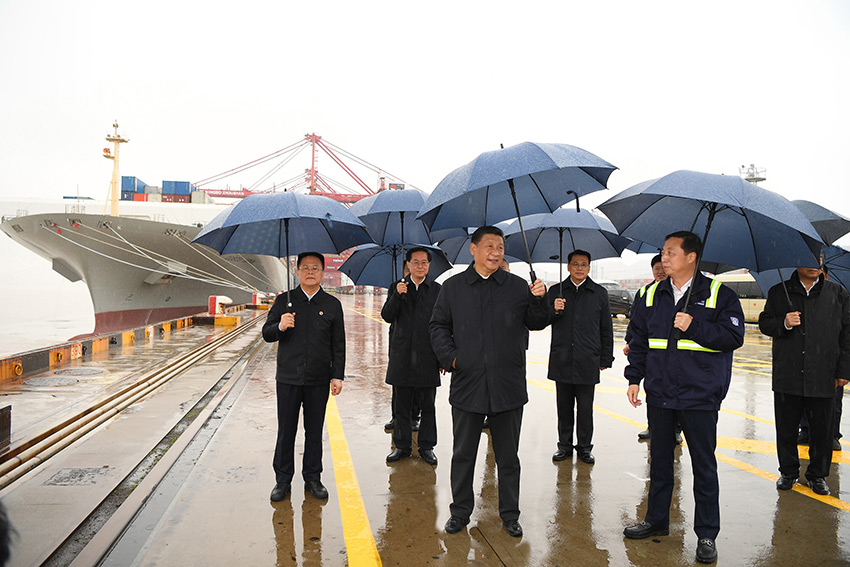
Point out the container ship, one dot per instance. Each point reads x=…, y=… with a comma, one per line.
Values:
x=140, y=266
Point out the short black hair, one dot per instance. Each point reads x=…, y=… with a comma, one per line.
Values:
x=690, y=241
x=655, y=260
x=409, y=254
x=309, y=254
x=480, y=232
x=578, y=253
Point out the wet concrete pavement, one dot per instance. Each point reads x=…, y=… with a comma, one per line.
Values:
x=217, y=510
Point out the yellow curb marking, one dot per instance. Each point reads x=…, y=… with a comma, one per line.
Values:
x=360, y=545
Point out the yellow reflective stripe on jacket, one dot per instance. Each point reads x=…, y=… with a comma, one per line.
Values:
x=681, y=344
x=650, y=294
x=711, y=302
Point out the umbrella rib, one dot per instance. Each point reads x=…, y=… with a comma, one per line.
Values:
x=548, y=206
x=752, y=237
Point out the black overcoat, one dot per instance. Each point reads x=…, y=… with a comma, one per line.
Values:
x=412, y=359
x=481, y=324
x=807, y=359
x=583, y=335
x=313, y=352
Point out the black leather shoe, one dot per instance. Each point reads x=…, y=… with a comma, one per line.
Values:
x=678, y=438
x=514, y=529
x=428, y=456
x=644, y=530
x=486, y=424
x=562, y=455
x=587, y=457
x=819, y=486
x=786, y=482
x=706, y=551
x=455, y=524
x=280, y=491
x=836, y=444
x=645, y=434
x=316, y=488
x=415, y=425
x=397, y=455
x=802, y=438
x=390, y=425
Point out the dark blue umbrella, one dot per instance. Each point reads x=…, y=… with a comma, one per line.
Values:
x=511, y=182
x=548, y=233
x=390, y=216
x=742, y=224
x=281, y=224
x=836, y=260
x=830, y=225
x=375, y=265
x=639, y=247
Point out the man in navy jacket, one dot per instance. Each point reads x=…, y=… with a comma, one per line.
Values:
x=310, y=364
x=685, y=360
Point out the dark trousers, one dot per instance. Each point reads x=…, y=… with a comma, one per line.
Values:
x=700, y=427
x=788, y=410
x=405, y=397
x=289, y=401
x=415, y=412
x=504, y=431
x=575, y=399
x=836, y=424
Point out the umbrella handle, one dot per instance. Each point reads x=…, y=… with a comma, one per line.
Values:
x=578, y=208
x=522, y=231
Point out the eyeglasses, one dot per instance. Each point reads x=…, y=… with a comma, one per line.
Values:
x=577, y=265
x=419, y=264
x=310, y=268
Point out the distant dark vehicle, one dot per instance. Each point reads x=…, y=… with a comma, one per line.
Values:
x=619, y=297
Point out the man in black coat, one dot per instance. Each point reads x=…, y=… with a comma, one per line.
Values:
x=478, y=331
x=310, y=363
x=582, y=345
x=413, y=370
x=811, y=357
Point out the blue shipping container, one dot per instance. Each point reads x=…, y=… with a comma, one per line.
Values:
x=184, y=188
x=169, y=187
x=132, y=184
x=127, y=195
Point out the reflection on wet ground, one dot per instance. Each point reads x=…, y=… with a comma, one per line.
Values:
x=572, y=513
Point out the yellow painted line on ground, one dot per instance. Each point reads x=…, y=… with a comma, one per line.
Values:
x=737, y=444
x=799, y=488
x=748, y=416
x=360, y=545
x=379, y=320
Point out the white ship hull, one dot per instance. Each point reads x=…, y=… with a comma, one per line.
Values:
x=140, y=271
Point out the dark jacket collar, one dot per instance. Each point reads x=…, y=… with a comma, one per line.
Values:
x=587, y=284
x=470, y=276
x=299, y=295
x=796, y=286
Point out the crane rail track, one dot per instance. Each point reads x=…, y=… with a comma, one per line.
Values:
x=30, y=453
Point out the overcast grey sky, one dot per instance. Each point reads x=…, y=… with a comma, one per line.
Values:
x=422, y=88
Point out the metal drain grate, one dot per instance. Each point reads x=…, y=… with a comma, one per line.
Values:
x=77, y=477
x=79, y=371
x=52, y=381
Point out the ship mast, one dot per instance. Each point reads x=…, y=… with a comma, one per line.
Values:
x=752, y=174
x=113, y=187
